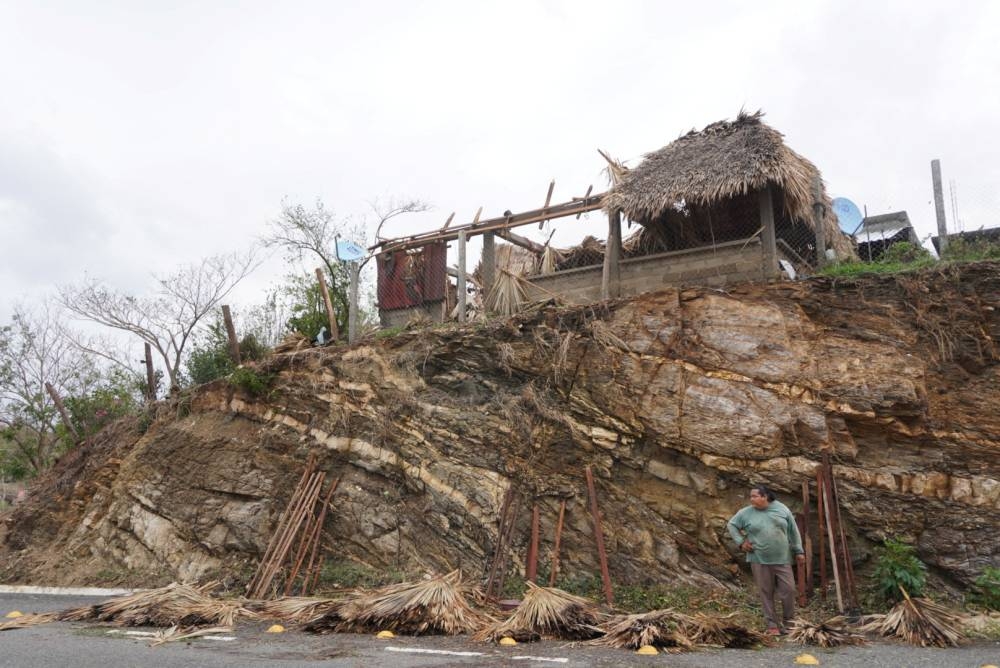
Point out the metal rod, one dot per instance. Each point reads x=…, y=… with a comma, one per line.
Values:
x=599, y=537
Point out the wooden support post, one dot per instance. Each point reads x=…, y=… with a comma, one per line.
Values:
x=800, y=569
x=611, y=275
x=548, y=200
x=602, y=555
x=448, y=222
x=234, y=343
x=354, y=271
x=819, y=209
x=768, y=240
x=833, y=543
x=488, y=265
x=150, y=375
x=555, y=546
x=57, y=400
x=330, y=313
x=942, y=222
x=461, y=277
x=820, y=513
x=807, y=536
x=531, y=569
x=585, y=197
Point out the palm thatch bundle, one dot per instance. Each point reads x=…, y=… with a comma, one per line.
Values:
x=662, y=629
x=291, y=343
x=507, y=295
x=550, y=260
x=547, y=612
x=175, y=604
x=26, y=621
x=293, y=609
x=725, y=160
x=918, y=621
x=722, y=631
x=831, y=633
x=435, y=605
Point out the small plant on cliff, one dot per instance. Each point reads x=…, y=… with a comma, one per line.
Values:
x=252, y=382
x=897, y=565
x=986, y=590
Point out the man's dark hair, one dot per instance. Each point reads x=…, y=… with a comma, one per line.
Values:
x=764, y=490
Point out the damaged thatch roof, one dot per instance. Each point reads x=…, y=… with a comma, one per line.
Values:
x=726, y=159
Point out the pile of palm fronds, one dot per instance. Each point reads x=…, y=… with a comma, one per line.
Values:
x=435, y=605
x=175, y=604
x=659, y=628
x=547, y=612
x=295, y=609
x=25, y=621
x=918, y=621
x=722, y=631
x=831, y=633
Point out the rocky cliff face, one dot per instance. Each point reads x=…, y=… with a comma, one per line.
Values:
x=677, y=399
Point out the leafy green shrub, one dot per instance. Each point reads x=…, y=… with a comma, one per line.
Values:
x=905, y=252
x=250, y=381
x=897, y=565
x=986, y=590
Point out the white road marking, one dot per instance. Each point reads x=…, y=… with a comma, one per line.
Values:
x=418, y=650
x=540, y=658
x=223, y=638
x=138, y=634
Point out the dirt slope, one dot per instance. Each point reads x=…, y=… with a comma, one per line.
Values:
x=678, y=399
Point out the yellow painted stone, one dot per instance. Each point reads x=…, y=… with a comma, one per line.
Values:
x=987, y=665
x=507, y=640
x=276, y=628
x=385, y=634
x=647, y=649
x=14, y=614
x=806, y=660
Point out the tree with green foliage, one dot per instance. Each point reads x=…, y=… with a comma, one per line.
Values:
x=34, y=351
x=897, y=566
x=210, y=357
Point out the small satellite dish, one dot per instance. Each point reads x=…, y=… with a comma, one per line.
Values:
x=848, y=215
x=348, y=251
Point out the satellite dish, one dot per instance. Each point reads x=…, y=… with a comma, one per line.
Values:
x=848, y=215
x=348, y=251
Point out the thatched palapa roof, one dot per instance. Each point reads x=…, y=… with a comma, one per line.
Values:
x=726, y=159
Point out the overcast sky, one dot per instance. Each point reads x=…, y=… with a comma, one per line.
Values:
x=137, y=136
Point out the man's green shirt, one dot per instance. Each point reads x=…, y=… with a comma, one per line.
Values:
x=771, y=531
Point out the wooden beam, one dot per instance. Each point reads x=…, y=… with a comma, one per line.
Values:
x=548, y=200
x=461, y=276
x=448, y=222
x=488, y=264
x=818, y=211
x=770, y=261
x=602, y=554
x=234, y=343
x=585, y=197
x=570, y=208
x=553, y=572
x=150, y=375
x=532, y=567
x=523, y=242
x=331, y=315
x=611, y=275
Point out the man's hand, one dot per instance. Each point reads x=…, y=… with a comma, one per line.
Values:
x=746, y=546
x=800, y=558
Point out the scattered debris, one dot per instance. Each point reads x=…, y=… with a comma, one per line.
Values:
x=24, y=621
x=175, y=633
x=173, y=605
x=918, y=621
x=657, y=629
x=831, y=633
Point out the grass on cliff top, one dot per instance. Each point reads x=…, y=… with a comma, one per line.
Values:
x=906, y=256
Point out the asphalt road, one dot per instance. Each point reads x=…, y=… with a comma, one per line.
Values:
x=83, y=645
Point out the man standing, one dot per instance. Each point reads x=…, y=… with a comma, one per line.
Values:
x=766, y=531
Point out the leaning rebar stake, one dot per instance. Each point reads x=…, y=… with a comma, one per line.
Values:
x=599, y=537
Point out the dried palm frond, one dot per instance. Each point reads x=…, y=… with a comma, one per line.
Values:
x=291, y=343
x=658, y=628
x=25, y=621
x=831, y=633
x=434, y=605
x=507, y=294
x=547, y=612
x=296, y=609
x=175, y=604
x=918, y=621
x=175, y=633
x=722, y=632
x=550, y=258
